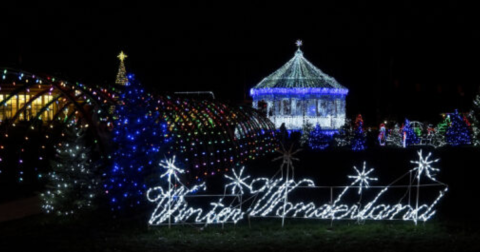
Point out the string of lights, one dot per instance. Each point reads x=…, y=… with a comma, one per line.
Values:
x=270, y=199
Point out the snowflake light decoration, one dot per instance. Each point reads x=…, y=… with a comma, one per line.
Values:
x=424, y=165
x=287, y=158
x=169, y=164
x=238, y=181
x=274, y=199
x=362, y=178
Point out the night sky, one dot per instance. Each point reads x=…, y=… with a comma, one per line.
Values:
x=403, y=60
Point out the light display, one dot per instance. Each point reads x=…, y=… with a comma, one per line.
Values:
x=382, y=135
x=458, y=132
x=306, y=130
x=122, y=78
x=270, y=198
x=424, y=166
x=210, y=137
x=344, y=136
x=318, y=139
x=171, y=169
x=207, y=137
x=238, y=182
x=34, y=111
x=299, y=92
x=362, y=177
x=72, y=184
x=139, y=139
x=409, y=135
x=394, y=137
x=358, y=140
x=475, y=116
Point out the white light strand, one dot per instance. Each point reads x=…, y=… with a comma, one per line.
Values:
x=171, y=169
x=424, y=166
x=269, y=199
x=362, y=177
x=238, y=181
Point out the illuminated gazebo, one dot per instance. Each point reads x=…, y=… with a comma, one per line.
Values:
x=300, y=93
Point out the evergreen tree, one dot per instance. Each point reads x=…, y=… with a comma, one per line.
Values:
x=458, y=132
x=358, y=141
x=395, y=136
x=73, y=182
x=475, y=117
x=122, y=72
x=306, y=129
x=443, y=126
x=439, y=138
x=409, y=135
x=344, y=135
x=138, y=139
x=318, y=140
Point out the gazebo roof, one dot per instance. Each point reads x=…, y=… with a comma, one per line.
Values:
x=300, y=75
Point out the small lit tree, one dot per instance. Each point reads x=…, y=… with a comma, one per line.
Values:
x=318, y=140
x=73, y=182
x=409, y=135
x=306, y=129
x=475, y=117
x=358, y=141
x=458, y=132
x=395, y=136
x=138, y=145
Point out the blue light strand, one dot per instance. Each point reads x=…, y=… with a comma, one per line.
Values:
x=297, y=91
x=359, y=141
x=409, y=133
x=139, y=143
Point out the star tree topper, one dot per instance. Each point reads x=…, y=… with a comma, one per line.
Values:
x=122, y=56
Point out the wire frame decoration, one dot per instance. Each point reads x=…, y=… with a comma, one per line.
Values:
x=411, y=197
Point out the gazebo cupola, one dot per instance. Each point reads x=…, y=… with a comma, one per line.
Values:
x=300, y=93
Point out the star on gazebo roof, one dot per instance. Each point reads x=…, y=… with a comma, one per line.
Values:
x=299, y=43
x=298, y=72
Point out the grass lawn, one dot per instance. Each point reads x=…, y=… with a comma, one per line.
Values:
x=104, y=234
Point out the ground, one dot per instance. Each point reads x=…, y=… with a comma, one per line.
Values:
x=264, y=235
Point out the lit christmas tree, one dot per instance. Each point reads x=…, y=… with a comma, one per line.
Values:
x=409, y=135
x=475, y=116
x=458, y=132
x=122, y=72
x=344, y=136
x=394, y=137
x=73, y=182
x=443, y=126
x=307, y=128
x=138, y=138
x=318, y=140
x=358, y=141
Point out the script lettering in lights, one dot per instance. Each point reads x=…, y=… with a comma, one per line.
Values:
x=274, y=197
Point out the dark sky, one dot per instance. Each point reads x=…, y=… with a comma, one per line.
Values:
x=404, y=60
